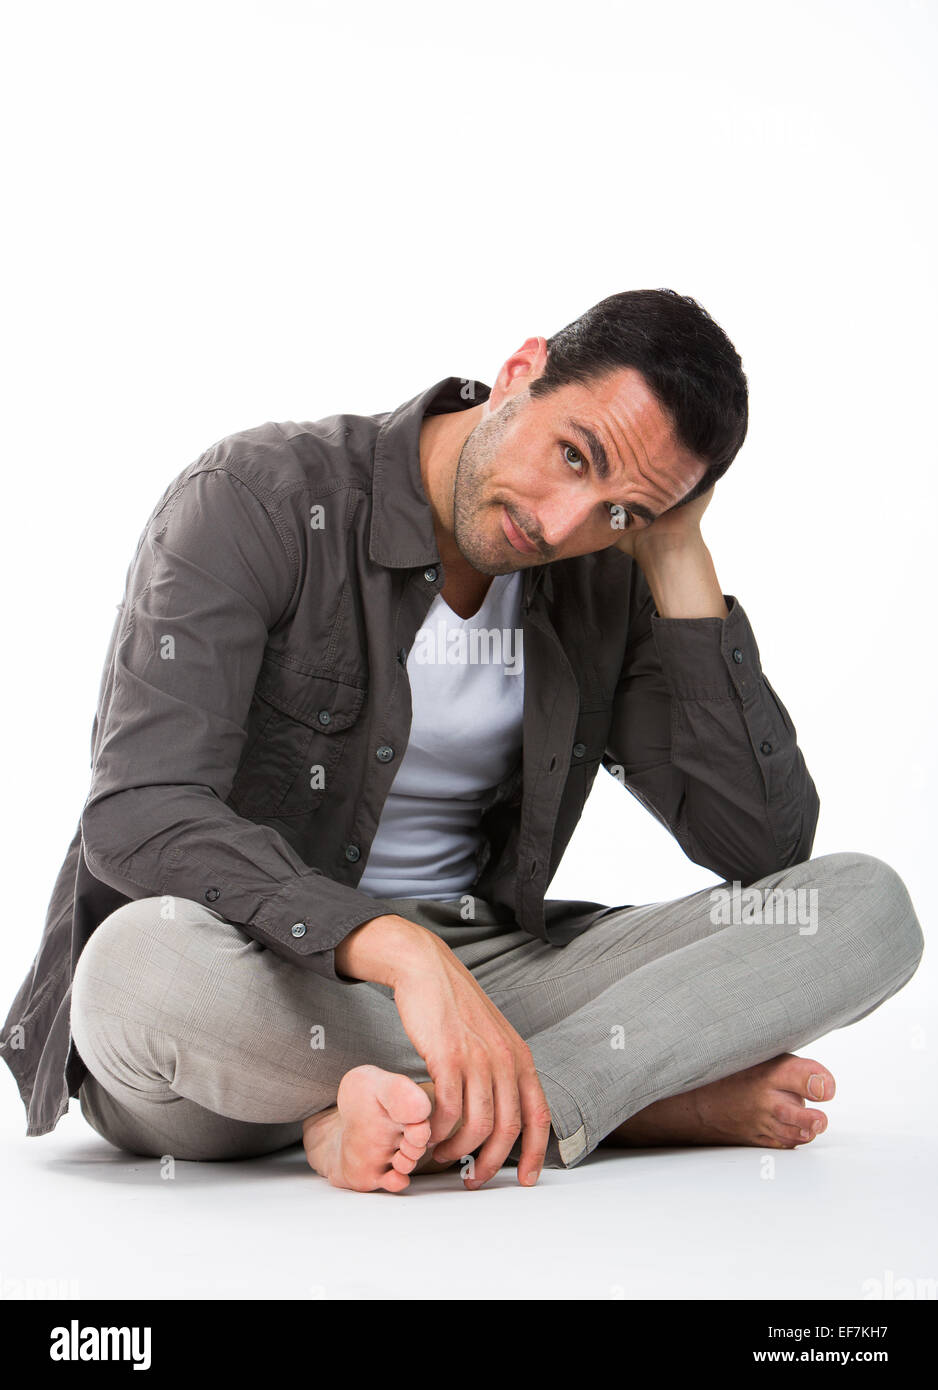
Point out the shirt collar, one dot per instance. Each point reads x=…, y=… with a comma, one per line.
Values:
x=402, y=534
x=401, y=521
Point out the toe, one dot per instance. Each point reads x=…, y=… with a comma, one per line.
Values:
x=783, y=1119
x=406, y=1102
x=790, y=1113
x=418, y=1136
x=796, y=1124
x=803, y=1076
x=819, y=1083
x=790, y=1135
x=413, y=1151
x=393, y=1181
x=401, y=1163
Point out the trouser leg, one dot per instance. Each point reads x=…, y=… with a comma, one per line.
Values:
x=656, y=1000
x=202, y=1043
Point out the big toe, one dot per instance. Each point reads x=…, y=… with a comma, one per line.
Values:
x=407, y=1104
x=805, y=1077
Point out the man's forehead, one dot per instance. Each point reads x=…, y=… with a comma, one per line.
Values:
x=625, y=429
x=621, y=402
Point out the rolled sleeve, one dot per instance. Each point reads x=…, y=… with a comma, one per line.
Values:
x=214, y=571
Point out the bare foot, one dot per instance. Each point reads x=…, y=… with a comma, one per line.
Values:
x=763, y=1106
x=375, y=1135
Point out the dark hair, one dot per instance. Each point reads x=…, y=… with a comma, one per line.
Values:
x=687, y=360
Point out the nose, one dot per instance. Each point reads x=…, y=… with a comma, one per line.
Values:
x=559, y=517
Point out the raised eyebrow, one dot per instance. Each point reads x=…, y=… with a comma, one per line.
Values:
x=600, y=461
x=598, y=456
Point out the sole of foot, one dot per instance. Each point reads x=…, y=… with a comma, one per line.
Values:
x=374, y=1136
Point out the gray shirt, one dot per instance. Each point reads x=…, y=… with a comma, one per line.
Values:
x=267, y=616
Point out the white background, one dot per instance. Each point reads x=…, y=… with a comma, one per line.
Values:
x=221, y=214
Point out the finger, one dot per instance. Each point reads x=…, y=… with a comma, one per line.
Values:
x=505, y=1131
x=447, y=1104
x=477, y=1100
x=477, y=1121
x=536, y=1129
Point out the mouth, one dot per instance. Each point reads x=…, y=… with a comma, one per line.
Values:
x=515, y=537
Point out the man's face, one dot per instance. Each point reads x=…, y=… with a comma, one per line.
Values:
x=537, y=465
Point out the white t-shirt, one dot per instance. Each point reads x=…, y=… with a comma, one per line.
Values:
x=467, y=692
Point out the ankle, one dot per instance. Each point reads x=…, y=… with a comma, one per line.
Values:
x=321, y=1136
x=321, y=1121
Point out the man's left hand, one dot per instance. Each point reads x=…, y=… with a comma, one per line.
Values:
x=672, y=529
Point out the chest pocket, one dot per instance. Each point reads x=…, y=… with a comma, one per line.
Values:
x=299, y=726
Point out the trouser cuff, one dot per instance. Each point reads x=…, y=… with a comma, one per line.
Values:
x=568, y=1142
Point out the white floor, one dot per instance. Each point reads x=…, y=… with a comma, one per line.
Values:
x=848, y=1216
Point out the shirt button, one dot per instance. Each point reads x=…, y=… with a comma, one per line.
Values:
x=298, y=929
x=429, y=574
x=402, y=655
x=384, y=754
x=211, y=894
x=352, y=852
x=533, y=868
x=737, y=655
x=766, y=747
x=579, y=749
x=324, y=717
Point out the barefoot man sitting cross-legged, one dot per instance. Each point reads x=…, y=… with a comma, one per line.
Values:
x=363, y=675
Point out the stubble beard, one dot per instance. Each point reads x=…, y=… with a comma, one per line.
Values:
x=471, y=508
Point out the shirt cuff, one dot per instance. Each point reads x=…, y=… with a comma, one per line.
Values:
x=311, y=916
x=709, y=658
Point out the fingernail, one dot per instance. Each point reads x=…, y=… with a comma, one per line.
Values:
x=816, y=1087
x=532, y=1178
x=818, y=1126
x=804, y=1134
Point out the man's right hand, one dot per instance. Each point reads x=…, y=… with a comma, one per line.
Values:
x=486, y=1088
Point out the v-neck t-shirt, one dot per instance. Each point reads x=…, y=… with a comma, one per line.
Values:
x=467, y=694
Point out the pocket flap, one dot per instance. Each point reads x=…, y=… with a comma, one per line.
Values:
x=324, y=703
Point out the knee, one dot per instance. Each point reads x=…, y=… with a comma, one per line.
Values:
x=118, y=959
x=883, y=896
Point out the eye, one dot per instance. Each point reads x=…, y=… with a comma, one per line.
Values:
x=613, y=509
x=570, y=448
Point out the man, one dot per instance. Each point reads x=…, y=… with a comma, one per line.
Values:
x=306, y=897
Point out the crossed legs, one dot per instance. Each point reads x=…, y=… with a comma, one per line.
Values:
x=655, y=1025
